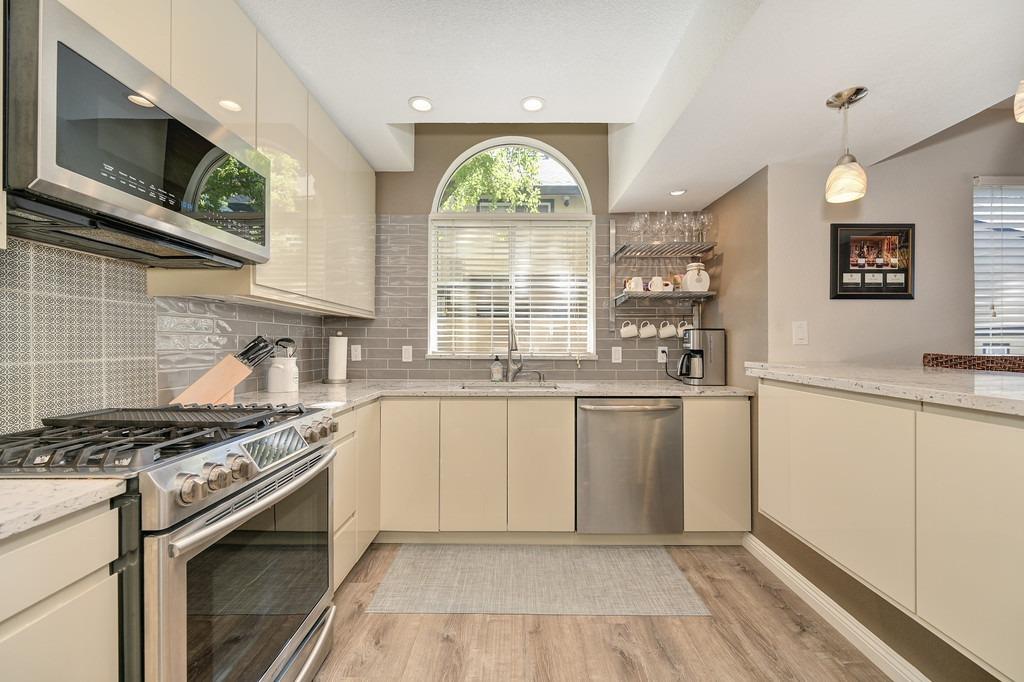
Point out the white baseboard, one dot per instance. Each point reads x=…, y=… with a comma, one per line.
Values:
x=877, y=651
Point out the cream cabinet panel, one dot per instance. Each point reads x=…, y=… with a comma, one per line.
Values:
x=142, y=28
x=970, y=532
x=281, y=127
x=846, y=467
x=474, y=456
x=213, y=60
x=368, y=448
x=409, y=463
x=346, y=480
x=81, y=620
x=346, y=551
x=542, y=464
x=327, y=157
x=363, y=243
x=716, y=464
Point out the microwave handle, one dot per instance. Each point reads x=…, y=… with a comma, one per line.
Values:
x=229, y=523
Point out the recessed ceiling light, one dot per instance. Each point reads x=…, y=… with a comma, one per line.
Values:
x=533, y=103
x=230, y=105
x=421, y=103
x=140, y=100
x=678, y=192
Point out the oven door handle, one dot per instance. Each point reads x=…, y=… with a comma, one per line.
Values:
x=192, y=540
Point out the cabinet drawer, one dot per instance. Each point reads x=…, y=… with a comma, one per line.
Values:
x=52, y=557
x=346, y=550
x=346, y=481
x=346, y=422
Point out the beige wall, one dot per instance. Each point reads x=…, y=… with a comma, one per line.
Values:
x=929, y=185
x=439, y=144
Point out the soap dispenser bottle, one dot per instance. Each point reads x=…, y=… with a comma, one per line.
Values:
x=496, y=371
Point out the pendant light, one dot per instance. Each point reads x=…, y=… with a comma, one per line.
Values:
x=1018, y=103
x=847, y=181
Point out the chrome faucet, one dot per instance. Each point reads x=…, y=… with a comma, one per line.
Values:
x=512, y=368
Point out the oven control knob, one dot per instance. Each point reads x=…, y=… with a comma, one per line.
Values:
x=332, y=425
x=323, y=428
x=218, y=476
x=191, y=488
x=242, y=468
x=311, y=434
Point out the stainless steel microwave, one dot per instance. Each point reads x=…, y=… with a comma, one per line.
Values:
x=102, y=155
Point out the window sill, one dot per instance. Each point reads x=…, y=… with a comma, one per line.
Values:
x=502, y=354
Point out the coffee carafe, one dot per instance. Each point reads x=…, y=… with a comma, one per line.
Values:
x=703, y=359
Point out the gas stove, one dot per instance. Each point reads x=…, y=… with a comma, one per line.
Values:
x=185, y=458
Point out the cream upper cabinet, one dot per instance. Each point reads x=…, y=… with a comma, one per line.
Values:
x=473, y=464
x=970, y=532
x=281, y=129
x=368, y=449
x=542, y=464
x=409, y=460
x=213, y=61
x=716, y=464
x=362, y=244
x=838, y=471
x=142, y=28
x=327, y=157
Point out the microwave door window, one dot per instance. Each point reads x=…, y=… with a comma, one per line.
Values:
x=115, y=136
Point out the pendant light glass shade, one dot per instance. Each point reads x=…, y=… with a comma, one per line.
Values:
x=1018, y=103
x=847, y=182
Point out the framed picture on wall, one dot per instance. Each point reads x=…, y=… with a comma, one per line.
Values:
x=872, y=261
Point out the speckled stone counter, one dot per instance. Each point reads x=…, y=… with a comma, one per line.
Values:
x=343, y=396
x=1001, y=392
x=29, y=502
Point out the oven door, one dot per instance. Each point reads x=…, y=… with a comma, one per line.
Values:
x=242, y=592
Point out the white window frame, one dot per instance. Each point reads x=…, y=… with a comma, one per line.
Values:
x=981, y=181
x=478, y=219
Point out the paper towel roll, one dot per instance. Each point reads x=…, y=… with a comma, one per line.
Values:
x=337, y=359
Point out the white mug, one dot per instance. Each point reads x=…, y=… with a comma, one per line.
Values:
x=683, y=326
x=667, y=330
x=667, y=286
x=635, y=284
x=647, y=330
x=628, y=330
x=656, y=284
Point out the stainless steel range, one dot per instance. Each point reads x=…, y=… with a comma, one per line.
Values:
x=226, y=557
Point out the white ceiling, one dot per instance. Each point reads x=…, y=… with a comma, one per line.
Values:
x=592, y=60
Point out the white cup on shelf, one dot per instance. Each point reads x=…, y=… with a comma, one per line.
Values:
x=667, y=330
x=681, y=329
x=628, y=330
x=647, y=330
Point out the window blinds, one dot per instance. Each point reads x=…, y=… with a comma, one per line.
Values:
x=539, y=270
x=999, y=267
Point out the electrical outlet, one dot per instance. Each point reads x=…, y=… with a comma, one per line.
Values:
x=800, y=333
x=616, y=355
x=662, y=354
x=406, y=353
x=357, y=353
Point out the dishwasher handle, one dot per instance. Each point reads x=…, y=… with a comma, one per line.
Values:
x=629, y=408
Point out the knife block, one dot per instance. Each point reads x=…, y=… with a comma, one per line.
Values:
x=217, y=385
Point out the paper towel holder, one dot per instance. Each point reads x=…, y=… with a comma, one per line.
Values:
x=327, y=380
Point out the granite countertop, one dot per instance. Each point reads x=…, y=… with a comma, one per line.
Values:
x=29, y=502
x=1001, y=392
x=356, y=393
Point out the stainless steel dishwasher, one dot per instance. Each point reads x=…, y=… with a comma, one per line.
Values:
x=629, y=465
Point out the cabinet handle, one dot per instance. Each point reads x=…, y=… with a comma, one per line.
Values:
x=629, y=408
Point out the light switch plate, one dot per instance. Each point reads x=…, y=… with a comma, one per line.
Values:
x=616, y=355
x=406, y=353
x=800, y=333
x=357, y=353
x=662, y=354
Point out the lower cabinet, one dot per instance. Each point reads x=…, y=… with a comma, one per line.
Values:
x=542, y=464
x=716, y=464
x=838, y=471
x=368, y=456
x=409, y=470
x=970, y=532
x=346, y=480
x=474, y=454
x=346, y=550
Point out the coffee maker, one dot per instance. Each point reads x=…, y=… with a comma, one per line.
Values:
x=703, y=360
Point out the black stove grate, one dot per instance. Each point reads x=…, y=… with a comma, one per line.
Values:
x=209, y=416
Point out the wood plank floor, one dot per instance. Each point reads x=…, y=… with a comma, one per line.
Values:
x=759, y=630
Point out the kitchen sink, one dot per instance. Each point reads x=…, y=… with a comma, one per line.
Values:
x=514, y=386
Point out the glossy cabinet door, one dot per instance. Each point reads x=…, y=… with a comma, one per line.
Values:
x=368, y=449
x=213, y=60
x=837, y=469
x=346, y=480
x=281, y=135
x=363, y=242
x=970, y=532
x=409, y=459
x=327, y=156
x=346, y=551
x=716, y=464
x=542, y=464
x=474, y=455
x=142, y=28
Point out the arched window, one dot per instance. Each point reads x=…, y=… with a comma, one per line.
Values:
x=511, y=247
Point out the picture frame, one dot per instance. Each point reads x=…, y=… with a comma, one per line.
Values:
x=872, y=261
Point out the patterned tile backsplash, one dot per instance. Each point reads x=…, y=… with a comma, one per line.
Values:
x=402, y=318
x=76, y=333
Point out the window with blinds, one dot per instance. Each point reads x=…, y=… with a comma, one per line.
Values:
x=999, y=266
x=538, y=272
